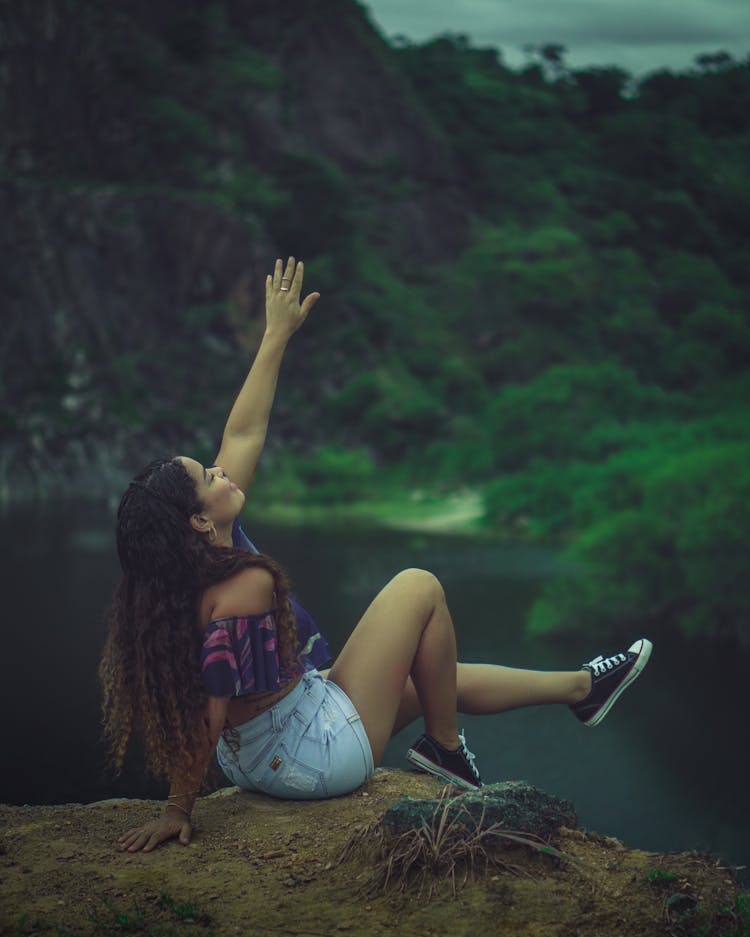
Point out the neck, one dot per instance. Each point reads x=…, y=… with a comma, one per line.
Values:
x=223, y=536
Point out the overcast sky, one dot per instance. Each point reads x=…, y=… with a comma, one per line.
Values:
x=638, y=35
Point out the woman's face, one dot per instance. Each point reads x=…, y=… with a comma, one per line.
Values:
x=222, y=500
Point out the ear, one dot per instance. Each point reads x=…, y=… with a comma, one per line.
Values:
x=200, y=523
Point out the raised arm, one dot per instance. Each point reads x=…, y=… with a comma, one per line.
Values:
x=184, y=785
x=245, y=431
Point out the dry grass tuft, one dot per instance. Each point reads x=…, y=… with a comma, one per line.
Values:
x=452, y=849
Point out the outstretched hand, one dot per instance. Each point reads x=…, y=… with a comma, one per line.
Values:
x=284, y=314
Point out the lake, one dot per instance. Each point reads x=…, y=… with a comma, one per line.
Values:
x=666, y=771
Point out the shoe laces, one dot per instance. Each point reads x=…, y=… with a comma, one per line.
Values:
x=469, y=756
x=601, y=665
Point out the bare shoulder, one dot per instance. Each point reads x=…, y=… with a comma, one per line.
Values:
x=248, y=592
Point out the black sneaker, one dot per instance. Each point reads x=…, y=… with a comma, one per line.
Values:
x=454, y=767
x=609, y=677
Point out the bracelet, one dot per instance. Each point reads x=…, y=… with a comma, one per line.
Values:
x=187, y=793
x=171, y=804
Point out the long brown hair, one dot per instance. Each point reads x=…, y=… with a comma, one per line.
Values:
x=150, y=666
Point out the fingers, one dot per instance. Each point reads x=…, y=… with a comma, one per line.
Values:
x=286, y=275
x=149, y=837
x=308, y=303
x=128, y=837
x=154, y=840
x=133, y=840
x=296, y=284
x=290, y=282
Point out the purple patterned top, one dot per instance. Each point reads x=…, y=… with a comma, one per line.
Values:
x=240, y=654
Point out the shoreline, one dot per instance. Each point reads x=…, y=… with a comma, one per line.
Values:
x=455, y=513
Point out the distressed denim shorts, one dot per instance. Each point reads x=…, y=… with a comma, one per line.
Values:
x=310, y=745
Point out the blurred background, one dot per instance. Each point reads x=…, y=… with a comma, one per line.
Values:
x=531, y=236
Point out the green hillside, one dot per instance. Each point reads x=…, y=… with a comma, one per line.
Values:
x=535, y=283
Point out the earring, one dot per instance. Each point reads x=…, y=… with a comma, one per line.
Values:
x=211, y=534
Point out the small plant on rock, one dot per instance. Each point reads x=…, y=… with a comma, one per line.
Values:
x=439, y=849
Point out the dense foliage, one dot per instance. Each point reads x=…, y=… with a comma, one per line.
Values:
x=581, y=357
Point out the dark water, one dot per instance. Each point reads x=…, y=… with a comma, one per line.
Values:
x=666, y=771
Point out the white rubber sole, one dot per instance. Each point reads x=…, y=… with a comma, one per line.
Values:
x=420, y=762
x=637, y=670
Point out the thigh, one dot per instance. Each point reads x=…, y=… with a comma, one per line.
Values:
x=375, y=662
x=409, y=708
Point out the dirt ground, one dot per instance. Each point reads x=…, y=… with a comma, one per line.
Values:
x=259, y=866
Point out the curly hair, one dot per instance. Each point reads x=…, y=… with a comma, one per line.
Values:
x=149, y=671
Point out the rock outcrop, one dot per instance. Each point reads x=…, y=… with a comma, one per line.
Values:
x=259, y=865
x=510, y=805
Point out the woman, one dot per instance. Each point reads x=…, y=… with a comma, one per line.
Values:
x=207, y=653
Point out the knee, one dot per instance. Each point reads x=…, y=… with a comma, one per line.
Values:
x=423, y=582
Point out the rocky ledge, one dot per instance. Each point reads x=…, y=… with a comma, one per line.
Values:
x=401, y=854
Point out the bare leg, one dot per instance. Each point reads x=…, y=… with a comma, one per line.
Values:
x=486, y=688
x=407, y=632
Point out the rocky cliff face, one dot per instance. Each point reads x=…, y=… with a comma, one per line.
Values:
x=155, y=159
x=79, y=316
x=305, y=76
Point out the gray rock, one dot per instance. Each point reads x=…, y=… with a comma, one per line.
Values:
x=514, y=805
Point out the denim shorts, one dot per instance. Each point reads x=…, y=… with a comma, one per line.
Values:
x=310, y=745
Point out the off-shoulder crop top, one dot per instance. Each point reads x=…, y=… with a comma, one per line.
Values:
x=240, y=654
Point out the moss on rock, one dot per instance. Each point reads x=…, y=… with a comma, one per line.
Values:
x=513, y=805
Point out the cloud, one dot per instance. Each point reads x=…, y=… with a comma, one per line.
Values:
x=614, y=22
x=633, y=33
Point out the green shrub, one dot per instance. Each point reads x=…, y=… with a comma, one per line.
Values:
x=389, y=404
x=554, y=416
x=174, y=125
x=660, y=877
x=247, y=67
x=678, y=553
x=337, y=475
x=622, y=578
x=540, y=499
